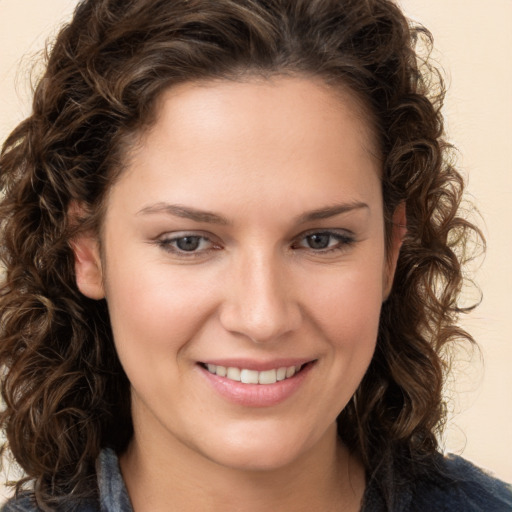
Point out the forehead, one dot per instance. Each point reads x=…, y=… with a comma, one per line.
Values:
x=254, y=137
x=267, y=99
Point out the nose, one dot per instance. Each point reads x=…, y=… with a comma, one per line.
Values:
x=260, y=301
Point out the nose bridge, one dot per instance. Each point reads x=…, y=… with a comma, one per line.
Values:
x=261, y=304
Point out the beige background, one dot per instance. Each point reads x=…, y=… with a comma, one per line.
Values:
x=474, y=45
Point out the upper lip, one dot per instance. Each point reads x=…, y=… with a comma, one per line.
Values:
x=260, y=366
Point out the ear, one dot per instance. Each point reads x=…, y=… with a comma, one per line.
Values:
x=398, y=232
x=88, y=268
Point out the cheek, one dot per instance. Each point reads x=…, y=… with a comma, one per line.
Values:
x=348, y=305
x=345, y=309
x=347, y=312
x=154, y=312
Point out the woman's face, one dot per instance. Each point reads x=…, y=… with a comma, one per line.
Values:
x=244, y=267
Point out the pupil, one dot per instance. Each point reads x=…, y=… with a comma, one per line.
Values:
x=319, y=241
x=188, y=243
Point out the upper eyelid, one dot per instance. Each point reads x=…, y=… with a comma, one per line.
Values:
x=329, y=231
x=176, y=235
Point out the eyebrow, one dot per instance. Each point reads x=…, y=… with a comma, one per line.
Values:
x=331, y=211
x=185, y=212
x=196, y=215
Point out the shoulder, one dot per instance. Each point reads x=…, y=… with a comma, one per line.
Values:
x=461, y=486
x=112, y=492
x=25, y=503
x=22, y=503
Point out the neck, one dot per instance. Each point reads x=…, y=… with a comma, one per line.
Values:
x=327, y=478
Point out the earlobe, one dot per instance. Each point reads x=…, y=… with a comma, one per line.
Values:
x=399, y=230
x=88, y=268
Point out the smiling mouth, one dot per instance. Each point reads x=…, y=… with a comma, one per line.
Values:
x=246, y=376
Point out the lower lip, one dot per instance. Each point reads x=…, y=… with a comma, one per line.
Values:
x=257, y=395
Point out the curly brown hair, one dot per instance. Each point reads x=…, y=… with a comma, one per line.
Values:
x=65, y=393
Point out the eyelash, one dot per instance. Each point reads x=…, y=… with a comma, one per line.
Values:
x=344, y=240
x=168, y=245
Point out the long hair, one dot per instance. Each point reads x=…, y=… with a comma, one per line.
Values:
x=65, y=393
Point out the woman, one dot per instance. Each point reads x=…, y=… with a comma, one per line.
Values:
x=232, y=258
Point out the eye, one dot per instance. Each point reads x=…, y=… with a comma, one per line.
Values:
x=320, y=240
x=325, y=241
x=189, y=243
x=186, y=244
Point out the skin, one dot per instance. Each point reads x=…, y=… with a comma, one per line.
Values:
x=261, y=155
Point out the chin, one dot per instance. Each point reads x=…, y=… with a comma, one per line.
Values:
x=262, y=460
x=261, y=450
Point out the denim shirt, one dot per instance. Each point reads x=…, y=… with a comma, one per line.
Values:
x=468, y=489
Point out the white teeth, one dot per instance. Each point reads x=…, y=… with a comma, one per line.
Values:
x=268, y=377
x=290, y=371
x=233, y=374
x=252, y=376
x=249, y=377
x=281, y=373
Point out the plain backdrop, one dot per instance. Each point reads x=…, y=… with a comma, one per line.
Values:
x=473, y=44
